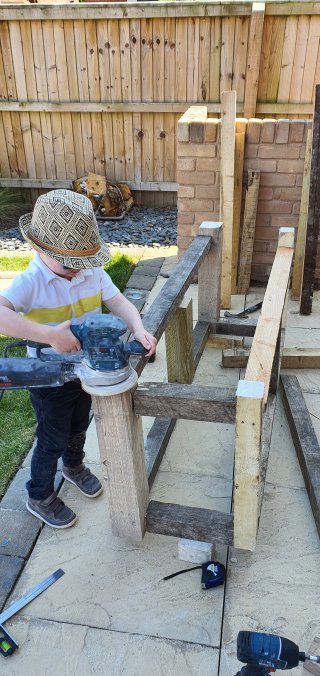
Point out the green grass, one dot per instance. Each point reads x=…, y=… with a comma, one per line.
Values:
x=17, y=424
x=17, y=420
x=14, y=262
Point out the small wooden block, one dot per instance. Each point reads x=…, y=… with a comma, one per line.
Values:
x=195, y=551
x=313, y=650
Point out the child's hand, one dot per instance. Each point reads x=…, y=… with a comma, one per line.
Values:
x=148, y=341
x=62, y=339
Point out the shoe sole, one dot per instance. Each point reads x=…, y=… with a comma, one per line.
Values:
x=94, y=495
x=67, y=525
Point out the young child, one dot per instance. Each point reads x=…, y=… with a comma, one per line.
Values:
x=64, y=284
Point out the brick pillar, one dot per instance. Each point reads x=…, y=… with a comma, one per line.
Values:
x=198, y=167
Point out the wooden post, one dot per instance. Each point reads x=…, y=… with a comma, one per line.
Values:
x=253, y=60
x=179, y=344
x=249, y=224
x=120, y=439
x=247, y=463
x=228, y=132
x=238, y=179
x=209, y=276
x=302, y=225
x=313, y=215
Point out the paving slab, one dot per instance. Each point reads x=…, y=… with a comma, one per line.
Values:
x=50, y=648
x=10, y=569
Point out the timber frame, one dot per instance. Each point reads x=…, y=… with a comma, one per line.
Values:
x=250, y=407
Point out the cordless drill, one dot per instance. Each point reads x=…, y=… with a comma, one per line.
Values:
x=264, y=653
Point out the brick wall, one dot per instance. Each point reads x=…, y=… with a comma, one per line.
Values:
x=275, y=147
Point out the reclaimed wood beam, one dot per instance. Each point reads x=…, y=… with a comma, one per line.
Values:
x=192, y=523
x=189, y=402
x=305, y=440
x=292, y=358
x=236, y=327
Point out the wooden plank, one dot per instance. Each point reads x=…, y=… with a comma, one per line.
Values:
x=313, y=215
x=240, y=56
x=299, y=253
x=193, y=523
x=215, y=60
x=299, y=58
x=228, y=117
x=265, y=58
x=236, y=327
x=35, y=123
x=264, y=346
x=278, y=33
x=181, y=59
x=60, y=183
x=189, y=402
x=193, y=28
x=253, y=59
x=305, y=440
x=122, y=459
x=53, y=95
x=136, y=11
x=209, y=277
x=135, y=55
x=247, y=463
x=238, y=179
x=248, y=230
x=179, y=344
x=227, y=48
x=292, y=358
x=204, y=50
x=287, y=58
x=309, y=75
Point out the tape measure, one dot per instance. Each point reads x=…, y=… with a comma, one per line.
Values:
x=213, y=574
x=7, y=643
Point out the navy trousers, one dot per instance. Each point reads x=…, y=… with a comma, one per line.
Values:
x=63, y=415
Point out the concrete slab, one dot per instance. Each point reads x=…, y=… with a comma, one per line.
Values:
x=19, y=531
x=10, y=569
x=64, y=649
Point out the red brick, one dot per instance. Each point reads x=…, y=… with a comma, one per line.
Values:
x=263, y=220
x=298, y=180
x=290, y=166
x=273, y=151
x=251, y=150
x=307, y=126
x=267, y=131
x=185, y=230
x=293, y=194
x=263, y=165
x=186, y=191
x=196, y=150
x=195, y=178
x=296, y=132
x=266, y=193
x=207, y=164
x=210, y=191
x=206, y=216
x=210, y=130
x=183, y=243
x=196, y=132
x=186, y=163
x=253, y=130
x=274, y=207
x=284, y=221
x=277, y=179
x=282, y=131
x=296, y=208
x=185, y=219
x=195, y=205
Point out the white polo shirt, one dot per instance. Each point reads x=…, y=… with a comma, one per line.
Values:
x=43, y=297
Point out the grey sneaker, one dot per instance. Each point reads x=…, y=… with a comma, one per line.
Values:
x=52, y=511
x=81, y=477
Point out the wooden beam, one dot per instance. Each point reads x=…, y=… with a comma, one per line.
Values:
x=253, y=59
x=121, y=446
x=118, y=10
x=238, y=180
x=193, y=523
x=179, y=344
x=265, y=342
x=305, y=440
x=247, y=463
x=52, y=183
x=156, y=318
x=292, y=358
x=313, y=215
x=228, y=131
x=189, y=402
x=236, y=327
x=300, y=247
x=209, y=275
x=248, y=230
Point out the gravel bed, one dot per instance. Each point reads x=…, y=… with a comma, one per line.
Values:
x=140, y=227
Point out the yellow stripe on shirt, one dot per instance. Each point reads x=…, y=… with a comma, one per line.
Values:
x=56, y=315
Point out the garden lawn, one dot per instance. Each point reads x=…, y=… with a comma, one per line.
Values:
x=17, y=420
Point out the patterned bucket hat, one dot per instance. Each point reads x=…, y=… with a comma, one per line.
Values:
x=63, y=226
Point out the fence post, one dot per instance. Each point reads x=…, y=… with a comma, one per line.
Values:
x=179, y=344
x=209, y=276
x=121, y=446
